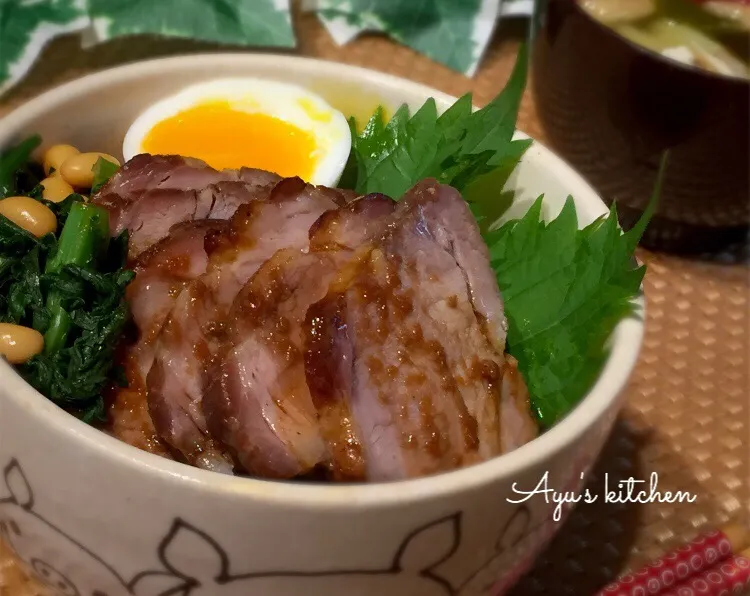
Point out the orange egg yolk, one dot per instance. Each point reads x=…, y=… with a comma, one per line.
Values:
x=225, y=137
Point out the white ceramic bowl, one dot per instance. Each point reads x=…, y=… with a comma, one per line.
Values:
x=93, y=516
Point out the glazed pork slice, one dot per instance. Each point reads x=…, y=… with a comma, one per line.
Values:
x=195, y=329
x=258, y=402
x=150, y=219
x=161, y=272
x=257, y=231
x=404, y=355
x=150, y=194
x=146, y=172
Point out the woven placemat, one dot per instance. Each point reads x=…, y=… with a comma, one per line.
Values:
x=688, y=402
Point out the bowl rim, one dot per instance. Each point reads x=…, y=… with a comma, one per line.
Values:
x=625, y=342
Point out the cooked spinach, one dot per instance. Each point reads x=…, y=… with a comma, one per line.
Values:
x=69, y=286
x=75, y=373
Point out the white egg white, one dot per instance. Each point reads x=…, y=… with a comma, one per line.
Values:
x=290, y=103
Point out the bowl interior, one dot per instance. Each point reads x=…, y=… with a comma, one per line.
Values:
x=94, y=113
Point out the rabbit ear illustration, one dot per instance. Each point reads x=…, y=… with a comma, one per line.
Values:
x=430, y=545
x=515, y=529
x=184, y=546
x=18, y=486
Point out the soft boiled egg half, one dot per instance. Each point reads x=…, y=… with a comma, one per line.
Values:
x=257, y=123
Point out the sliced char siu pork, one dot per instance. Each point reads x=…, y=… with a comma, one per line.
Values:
x=258, y=402
x=196, y=326
x=285, y=327
x=148, y=172
x=152, y=193
x=160, y=273
x=378, y=354
x=404, y=355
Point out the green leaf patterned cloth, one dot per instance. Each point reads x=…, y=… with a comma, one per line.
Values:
x=243, y=22
x=27, y=25
x=453, y=32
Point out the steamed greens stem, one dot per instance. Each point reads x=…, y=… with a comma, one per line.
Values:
x=84, y=238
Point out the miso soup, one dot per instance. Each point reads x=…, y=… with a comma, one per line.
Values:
x=712, y=35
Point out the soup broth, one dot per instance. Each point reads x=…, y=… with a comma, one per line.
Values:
x=712, y=35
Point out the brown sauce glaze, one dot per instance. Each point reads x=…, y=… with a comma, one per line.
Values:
x=128, y=414
x=325, y=363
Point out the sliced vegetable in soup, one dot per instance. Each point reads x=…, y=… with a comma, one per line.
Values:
x=710, y=34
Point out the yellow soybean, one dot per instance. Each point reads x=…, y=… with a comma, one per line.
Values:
x=18, y=344
x=78, y=170
x=56, y=155
x=55, y=188
x=29, y=214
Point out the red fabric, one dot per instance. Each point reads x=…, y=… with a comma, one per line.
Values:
x=674, y=568
x=728, y=577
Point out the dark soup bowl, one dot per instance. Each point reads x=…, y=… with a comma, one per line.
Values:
x=611, y=108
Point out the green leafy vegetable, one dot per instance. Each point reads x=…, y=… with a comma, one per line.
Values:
x=13, y=161
x=72, y=291
x=21, y=259
x=14, y=240
x=69, y=286
x=485, y=194
x=84, y=238
x=75, y=374
x=103, y=171
x=62, y=209
x=564, y=290
x=459, y=147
